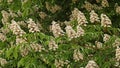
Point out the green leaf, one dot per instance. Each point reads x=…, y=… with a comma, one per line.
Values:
x=9, y=52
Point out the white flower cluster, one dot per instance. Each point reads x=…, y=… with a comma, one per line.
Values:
x=32, y=26
x=105, y=3
x=80, y=31
x=56, y=29
x=117, y=55
x=81, y=19
x=3, y=61
x=20, y=40
x=2, y=37
x=79, y=16
x=51, y=8
x=16, y=28
x=92, y=64
x=60, y=63
x=105, y=21
x=116, y=43
x=24, y=51
x=37, y=47
x=12, y=14
x=77, y=56
x=9, y=1
x=74, y=14
x=106, y=37
x=42, y=15
x=118, y=9
x=5, y=16
x=98, y=44
x=52, y=45
x=71, y=33
x=88, y=6
x=94, y=17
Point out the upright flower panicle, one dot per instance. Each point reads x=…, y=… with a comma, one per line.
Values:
x=105, y=21
x=16, y=29
x=6, y=16
x=42, y=15
x=60, y=63
x=117, y=55
x=79, y=16
x=2, y=37
x=94, y=17
x=70, y=32
x=37, y=47
x=77, y=56
x=51, y=8
x=20, y=40
x=80, y=31
x=116, y=43
x=56, y=29
x=88, y=6
x=32, y=26
x=3, y=61
x=24, y=51
x=81, y=19
x=74, y=14
x=118, y=9
x=106, y=37
x=9, y=1
x=92, y=64
x=52, y=45
x=98, y=44
x=12, y=14
x=105, y=3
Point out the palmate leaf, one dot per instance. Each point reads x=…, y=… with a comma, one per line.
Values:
x=9, y=52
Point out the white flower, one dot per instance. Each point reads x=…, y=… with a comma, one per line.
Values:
x=51, y=8
x=74, y=14
x=80, y=31
x=116, y=43
x=105, y=21
x=42, y=15
x=81, y=19
x=118, y=9
x=32, y=26
x=3, y=61
x=106, y=37
x=52, y=45
x=94, y=17
x=56, y=29
x=117, y=55
x=88, y=6
x=36, y=47
x=20, y=40
x=70, y=32
x=24, y=51
x=9, y=1
x=12, y=14
x=79, y=16
x=92, y=64
x=105, y=3
x=98, y=44
x=60, y=63
x=6, y=16
x=2, y=37
x=15, y=28
x=77, y=56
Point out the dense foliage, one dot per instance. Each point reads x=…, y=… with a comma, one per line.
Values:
x=59, y=34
